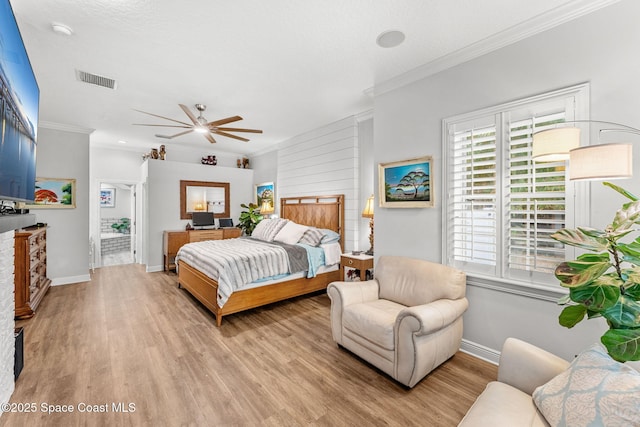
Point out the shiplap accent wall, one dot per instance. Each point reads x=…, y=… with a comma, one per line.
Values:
x=324, y=161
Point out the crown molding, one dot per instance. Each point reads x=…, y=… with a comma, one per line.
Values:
x=545, y=21
x=65, y=128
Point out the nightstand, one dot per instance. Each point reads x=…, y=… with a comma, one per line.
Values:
x=360, y=262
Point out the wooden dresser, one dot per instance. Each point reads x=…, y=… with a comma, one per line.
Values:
x=173, y=240
x=31, y=282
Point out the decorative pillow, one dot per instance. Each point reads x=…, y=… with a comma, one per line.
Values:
x=291, y=233
x=267, y=229
x=594, y=390
x=312, y=237
x=330, y=236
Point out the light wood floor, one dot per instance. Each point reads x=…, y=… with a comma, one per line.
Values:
x=133, y=337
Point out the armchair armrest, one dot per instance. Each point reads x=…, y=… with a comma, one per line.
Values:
x=525, y=366
x=431, y=317
x=343, y=294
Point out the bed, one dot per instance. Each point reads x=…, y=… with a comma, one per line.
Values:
x=316, y=211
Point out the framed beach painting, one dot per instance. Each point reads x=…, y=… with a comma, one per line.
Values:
x=406, y=184
x=54, y=193
x=107, y=197
x=265, y=192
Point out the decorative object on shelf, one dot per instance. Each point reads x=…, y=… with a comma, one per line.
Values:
x=162, y=152
x=605, y=282
x=245, y=163
x=603, y=161
x=249, y=218
x=406, y=184
x=367, y=212
x=209, y=160
x=107, y=197
x=239, y=162
x=54, y=193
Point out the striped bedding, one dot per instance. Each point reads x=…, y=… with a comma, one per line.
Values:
x=236, y=262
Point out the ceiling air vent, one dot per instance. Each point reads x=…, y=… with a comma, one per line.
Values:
x=95, y=79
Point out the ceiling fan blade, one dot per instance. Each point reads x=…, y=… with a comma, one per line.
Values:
x=224, y=121
x=239, y=130
x=181, y=133
x=188, y=112
x=164, y=126
x=209, y=138
x=228, y=135
x=161, y=117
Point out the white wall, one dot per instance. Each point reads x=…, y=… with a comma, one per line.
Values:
x=599, y=48
x=65, y=154
x=367, y=181
x=324, y=162
x=162, y=198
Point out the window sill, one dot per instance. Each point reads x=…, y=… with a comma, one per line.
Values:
x=529, y=290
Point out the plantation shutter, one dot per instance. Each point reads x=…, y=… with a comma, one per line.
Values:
x=536, y=205
x=473, y=229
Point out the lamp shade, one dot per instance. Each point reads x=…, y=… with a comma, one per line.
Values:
x=554, y=144
x=604, y=161
x=367, y=212
x=266, y=208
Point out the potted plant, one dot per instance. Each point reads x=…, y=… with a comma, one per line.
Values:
x=605, y=282
x=249, y=218
x=122, y=226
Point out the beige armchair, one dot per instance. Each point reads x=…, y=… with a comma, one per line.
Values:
x=406, y=321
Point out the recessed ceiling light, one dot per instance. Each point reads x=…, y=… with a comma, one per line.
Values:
x=391, y=38
x=122, y=142
x=61, y=29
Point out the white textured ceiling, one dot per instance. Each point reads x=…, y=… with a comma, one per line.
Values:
x=285, y=66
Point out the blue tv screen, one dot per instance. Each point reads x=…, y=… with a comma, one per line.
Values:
x=19, y=98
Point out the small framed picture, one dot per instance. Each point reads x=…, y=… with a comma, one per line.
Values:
x=107, y=197
x=54, y=193
x=265, y=192
x=406, y=184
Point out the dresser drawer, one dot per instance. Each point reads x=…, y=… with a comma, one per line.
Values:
x=201, y=235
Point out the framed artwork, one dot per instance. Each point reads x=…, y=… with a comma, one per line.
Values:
x=406, y=184
x=265, y=191
x=54, y=193
x=107, y=197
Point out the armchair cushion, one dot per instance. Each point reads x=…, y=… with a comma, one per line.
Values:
x=373, y=320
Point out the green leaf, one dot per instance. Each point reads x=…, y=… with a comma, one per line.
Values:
x=624, y=314
x=628, y=215
x=595, y=296
x=572, y=315
x=580, y=239
x=633, y=291
x=583, y=270
x=622, y=191
x=622, y=344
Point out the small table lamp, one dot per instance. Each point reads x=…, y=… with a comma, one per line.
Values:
x=368, y=213
x=266, y=209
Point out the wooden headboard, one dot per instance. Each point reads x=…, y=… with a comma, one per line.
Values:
x=316, y=211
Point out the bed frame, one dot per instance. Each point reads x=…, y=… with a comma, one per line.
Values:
x=316, y=211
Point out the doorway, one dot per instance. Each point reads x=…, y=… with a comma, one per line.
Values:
x=117, y=237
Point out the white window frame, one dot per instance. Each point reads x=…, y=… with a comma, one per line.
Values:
x=576, y=99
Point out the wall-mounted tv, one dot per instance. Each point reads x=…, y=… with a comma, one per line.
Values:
x=19, y=98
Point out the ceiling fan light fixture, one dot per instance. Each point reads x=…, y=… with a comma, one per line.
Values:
x=201, y=129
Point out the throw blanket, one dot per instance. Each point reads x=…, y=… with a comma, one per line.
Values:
x=236, y=262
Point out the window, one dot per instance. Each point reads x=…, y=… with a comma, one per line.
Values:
x=502, y=206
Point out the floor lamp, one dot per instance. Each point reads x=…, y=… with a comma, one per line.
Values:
x=368, y=213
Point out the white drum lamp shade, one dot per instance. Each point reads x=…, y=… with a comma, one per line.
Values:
x=602, y=162
x=553, y=145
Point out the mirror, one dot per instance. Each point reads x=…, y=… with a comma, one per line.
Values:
x=203, y=196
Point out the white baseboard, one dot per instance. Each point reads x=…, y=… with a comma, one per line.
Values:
x=70, y=279
x=154, y=268
x=481, y=352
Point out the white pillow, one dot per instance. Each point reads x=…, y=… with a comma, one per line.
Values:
x=594, y=390
x=267, y=229
x=291, y=233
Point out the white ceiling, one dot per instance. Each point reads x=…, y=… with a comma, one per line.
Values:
x=285, y=66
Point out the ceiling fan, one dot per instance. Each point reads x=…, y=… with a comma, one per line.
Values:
x=201, y=125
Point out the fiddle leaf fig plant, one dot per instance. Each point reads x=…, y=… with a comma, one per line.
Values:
x=605, y=282
x=249, y=218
